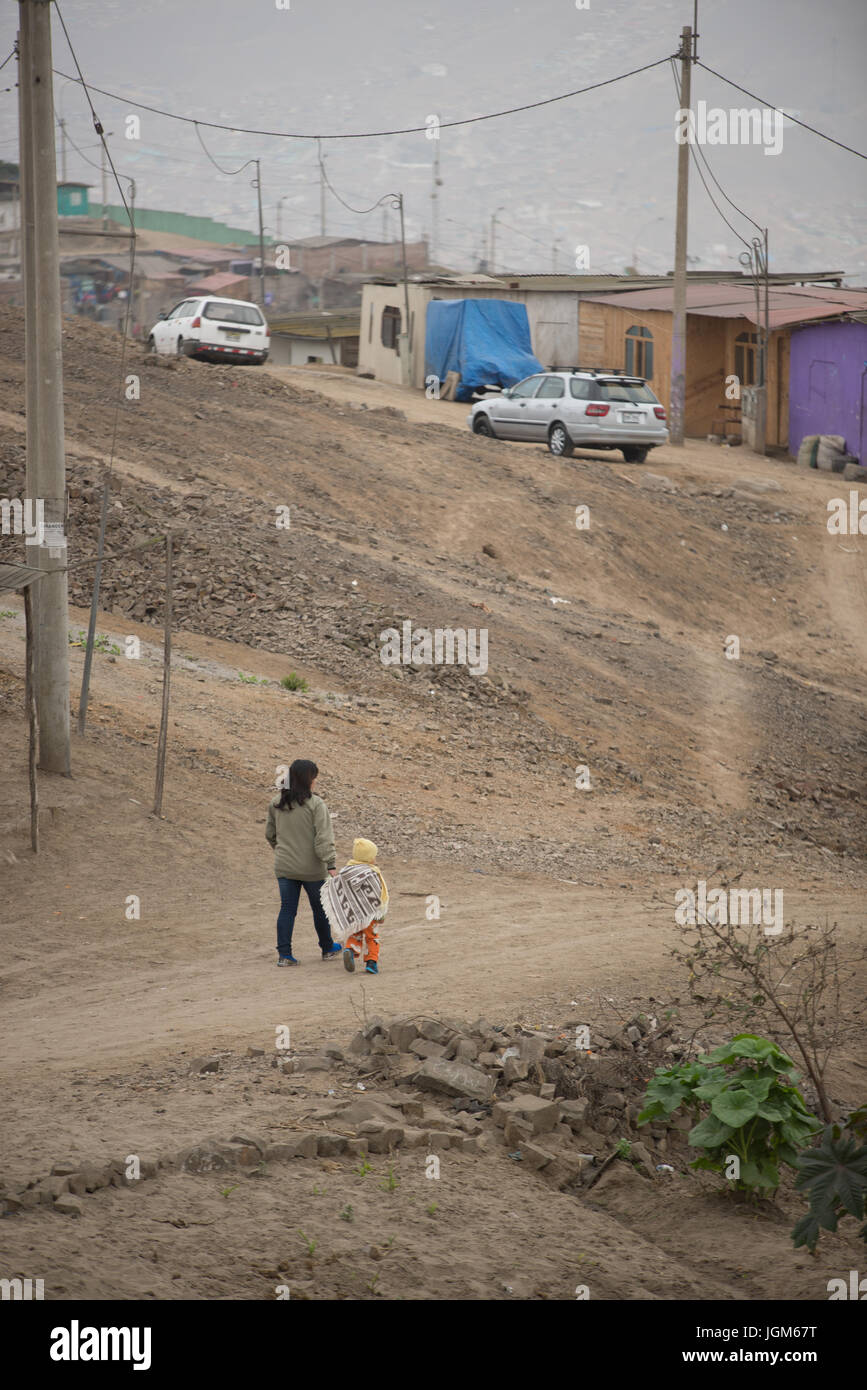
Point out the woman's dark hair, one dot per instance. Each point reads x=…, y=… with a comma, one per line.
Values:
x=297, y=788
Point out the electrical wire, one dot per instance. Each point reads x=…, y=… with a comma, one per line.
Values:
x=6, y=59
x=230, y=172
x=366, y=134
x=762, y=102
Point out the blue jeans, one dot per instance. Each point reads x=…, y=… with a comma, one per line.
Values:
x=290, y=892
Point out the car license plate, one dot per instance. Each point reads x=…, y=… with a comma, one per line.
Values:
x=630, y=417
x=233, y=337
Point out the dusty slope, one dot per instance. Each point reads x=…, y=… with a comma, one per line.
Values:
x=466, y=783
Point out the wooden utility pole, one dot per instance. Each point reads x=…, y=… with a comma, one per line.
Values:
x=167, y=680
x=677, y=405
x=261, y=235
x=321, y=190
x=46, y=465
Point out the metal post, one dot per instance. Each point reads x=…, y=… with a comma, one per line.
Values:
x=677, y=404
x=492, y=263
x=261, y=236
x=46, y=469
x=406, y=373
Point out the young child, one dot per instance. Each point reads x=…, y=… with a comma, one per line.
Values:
x=355, y=903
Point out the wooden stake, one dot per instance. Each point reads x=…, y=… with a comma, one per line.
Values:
x=32, y=720
x=167, y=675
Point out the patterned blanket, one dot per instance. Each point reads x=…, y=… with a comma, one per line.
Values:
x=352, y=900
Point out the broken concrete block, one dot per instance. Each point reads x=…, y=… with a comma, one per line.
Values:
x=517, y=1132
x=359, y=1044
x=514, y=1069
x=490, y=1059
x=454, y=1079
x=68, y=1205
x=255, y=1052
x=204, y=1158
x=533, y=1157
x=573, y=1112
x=402, y=1035
x=64, y=1166
x=435, y=1031
x=388, y=1137
x=532, y=1049
x=329, y=1144
x=423, y=1047
x=541, y=1114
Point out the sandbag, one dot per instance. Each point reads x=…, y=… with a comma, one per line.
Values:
x=831, y=453
x=807, y=450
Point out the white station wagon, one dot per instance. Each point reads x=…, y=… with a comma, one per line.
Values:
x=577, y=408
x=217, y=330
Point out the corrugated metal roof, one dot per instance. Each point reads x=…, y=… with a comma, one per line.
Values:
x=219, y=281
x=318, y=326
x=18, y=577
x=785, y=306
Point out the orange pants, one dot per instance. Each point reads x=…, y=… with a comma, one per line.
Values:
x=365, y=942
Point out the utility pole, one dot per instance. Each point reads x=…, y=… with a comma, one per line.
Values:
x=677, y=403
x=261, y=237
x=321, y=190
x=406, y=372
x=62, y=124
x=46, y=466
x=492, y=262
x=104, y=187
x=434, y=205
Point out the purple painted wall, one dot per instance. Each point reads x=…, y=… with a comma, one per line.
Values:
x=828, y=384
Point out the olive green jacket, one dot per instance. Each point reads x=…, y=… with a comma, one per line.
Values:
x=302, y=840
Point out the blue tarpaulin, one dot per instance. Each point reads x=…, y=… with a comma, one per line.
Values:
x=486, y=340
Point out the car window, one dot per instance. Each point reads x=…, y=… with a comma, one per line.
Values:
x=581, y=389
x=176, y=313
x=527, y=387
x=625, y=391
x=552, y=386
x=235, y=312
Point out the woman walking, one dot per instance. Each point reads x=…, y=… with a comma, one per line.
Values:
x=299, y=832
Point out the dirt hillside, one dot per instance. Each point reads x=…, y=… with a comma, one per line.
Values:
x=556, y=901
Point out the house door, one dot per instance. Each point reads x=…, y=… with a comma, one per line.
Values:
x=862, y=441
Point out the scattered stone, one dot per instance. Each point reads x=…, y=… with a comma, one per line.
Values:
x=402, y=1035
x=454, y=1079
x=204, y=1064
x=423, y=1047
x=64, y=1167
x=541, y=1114
x=255, y=1052
x=535, y=1157
x=514, y=1069
x=68, y=1205
x=574, y=1112
x=329, y=1144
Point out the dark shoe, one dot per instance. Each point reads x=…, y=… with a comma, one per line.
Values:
x=286, y=960
x=371, y=968
x=334, y=952
x=348, y=959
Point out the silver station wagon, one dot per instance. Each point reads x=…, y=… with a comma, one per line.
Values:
x=582, y=408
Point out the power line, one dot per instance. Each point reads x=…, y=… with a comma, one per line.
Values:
x=229, y=172
x=692, y=149
x=772, y=106
x=367, y=134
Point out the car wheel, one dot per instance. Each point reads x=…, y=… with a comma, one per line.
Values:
x=559, y=442
x=635, y=455
x=151, y=345
x=482, y=425
x=179, y=347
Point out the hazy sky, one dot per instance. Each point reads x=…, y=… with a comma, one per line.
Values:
x=595, y=170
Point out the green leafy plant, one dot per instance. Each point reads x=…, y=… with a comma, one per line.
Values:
x=294, y=682
x=364, y=1168
x=7, y=613
x=101, y=643
x=624, y=1148
x=347, y=1214
x=389, y=1183
x=754, y=1110
x=834, y=1176
x=432, y=1209
x=251, y=680
x=309, y=1242
x=224, y=1192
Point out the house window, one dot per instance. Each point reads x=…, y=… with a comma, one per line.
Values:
x=639, y=352
x=390, y=327
x=745, y=358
